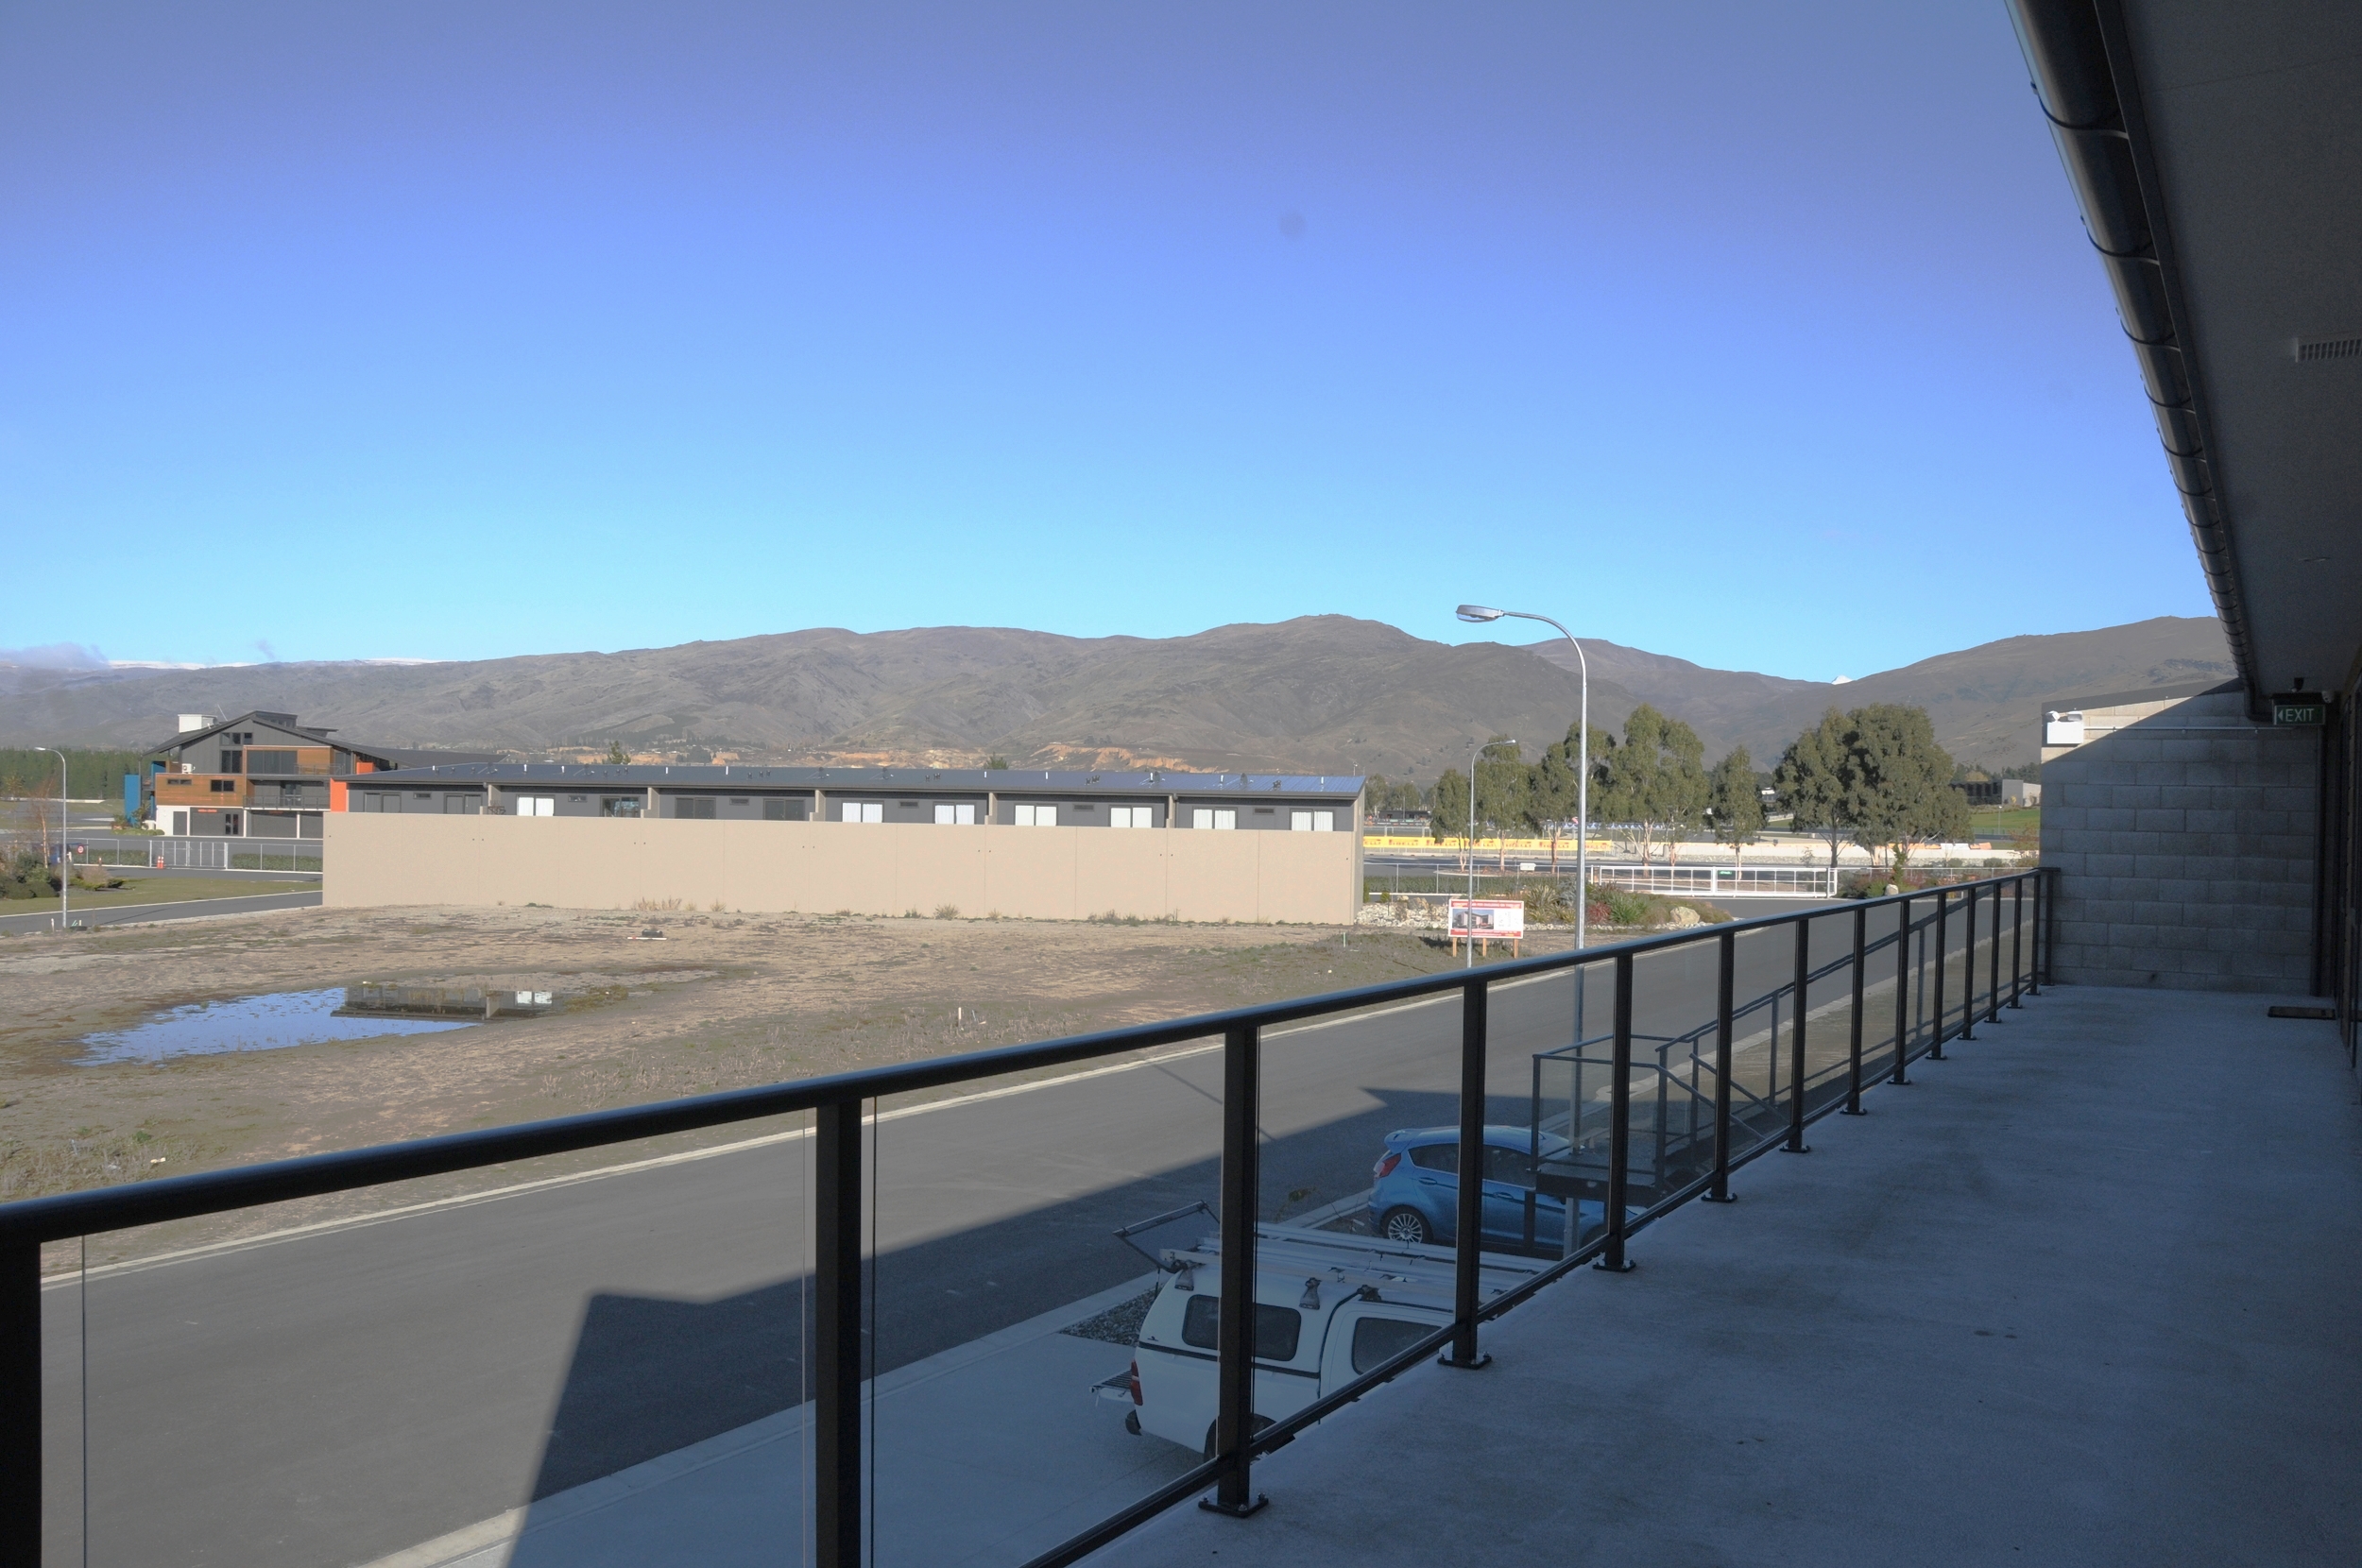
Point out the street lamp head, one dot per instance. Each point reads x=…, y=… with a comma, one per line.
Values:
x=1477, y=612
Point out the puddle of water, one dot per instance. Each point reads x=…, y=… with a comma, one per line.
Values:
x=250, y=1023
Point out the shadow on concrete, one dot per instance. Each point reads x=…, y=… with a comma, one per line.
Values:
x=649, y=1376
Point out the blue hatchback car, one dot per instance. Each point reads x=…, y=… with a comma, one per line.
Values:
x=1414, y=1189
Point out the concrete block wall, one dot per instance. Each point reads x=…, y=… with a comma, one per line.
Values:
x=879, y=868
x=2184, y=846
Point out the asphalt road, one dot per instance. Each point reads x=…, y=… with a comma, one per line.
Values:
x=338, y=1395
x=186, y=909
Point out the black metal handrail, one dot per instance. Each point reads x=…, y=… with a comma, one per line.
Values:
x=836, y=1103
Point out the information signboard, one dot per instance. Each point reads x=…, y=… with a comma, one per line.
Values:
x=1501, y=918
x=2300, y=710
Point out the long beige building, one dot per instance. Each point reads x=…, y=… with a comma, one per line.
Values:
x=891, y=842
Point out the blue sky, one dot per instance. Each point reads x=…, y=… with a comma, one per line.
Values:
x=1763, y=336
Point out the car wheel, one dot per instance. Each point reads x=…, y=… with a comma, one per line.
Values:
x=1405, y=1225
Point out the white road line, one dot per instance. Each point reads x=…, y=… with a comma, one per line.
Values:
x=268, y=1238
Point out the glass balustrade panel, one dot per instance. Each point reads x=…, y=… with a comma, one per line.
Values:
x=595, y=1356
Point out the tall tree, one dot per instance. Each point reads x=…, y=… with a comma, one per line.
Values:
x=1811, y=780
x=1627, y=775
x=1900, y=781
x=1683, y=790
x=1657, y=777
x=1553, y=793
x=1448, y=807
x=1501, y=784
x=1736, y=810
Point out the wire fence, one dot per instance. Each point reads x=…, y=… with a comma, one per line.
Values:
x=1792, y=881
x=191, y=853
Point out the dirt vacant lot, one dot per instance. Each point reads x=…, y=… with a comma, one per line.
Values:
x=721, y=1002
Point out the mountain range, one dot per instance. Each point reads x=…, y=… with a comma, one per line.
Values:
x=1317, y=694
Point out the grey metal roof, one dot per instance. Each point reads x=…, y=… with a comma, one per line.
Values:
x=399, y=757
x=280, y=721
x=1004, y=780
x=423, y=756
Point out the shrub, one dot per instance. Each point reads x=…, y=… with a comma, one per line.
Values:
x=947, y=912
x=25, y=876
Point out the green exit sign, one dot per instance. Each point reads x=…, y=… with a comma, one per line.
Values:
x=2300, y=710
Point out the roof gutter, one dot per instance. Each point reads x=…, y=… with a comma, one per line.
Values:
x=2080, y=60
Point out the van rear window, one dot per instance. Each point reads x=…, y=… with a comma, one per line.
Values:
x=1379, y=1340
x=1276, y=1328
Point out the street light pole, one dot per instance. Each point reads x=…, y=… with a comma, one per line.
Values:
x=1582, y=765
x=1472, y=825
x=65, y=826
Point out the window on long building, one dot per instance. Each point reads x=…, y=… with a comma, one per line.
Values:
x=955, y=814
x=861, y=810
x=1312, y=822
x=698, y=807
x=1131, y=817
x=1213, y=816
x=1035, y=816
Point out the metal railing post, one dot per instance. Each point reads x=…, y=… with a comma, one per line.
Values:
x=2033, y=969
x=1853, y=1074
x=1619, y=1132
x=1944, y=941
x=1992, y=964
x=1796, y=1144
x=1469, y=1228
x=20, y=1405
x=1901, y=990
x=2017, y=940
x=1968, y=970
x=1721, y=1191
x=836, y=1335
x=1234, y=1422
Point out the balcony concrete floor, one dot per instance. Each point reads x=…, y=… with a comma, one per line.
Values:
x=2089, y=1292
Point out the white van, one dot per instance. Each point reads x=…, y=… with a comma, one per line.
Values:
x=1329, y=1309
